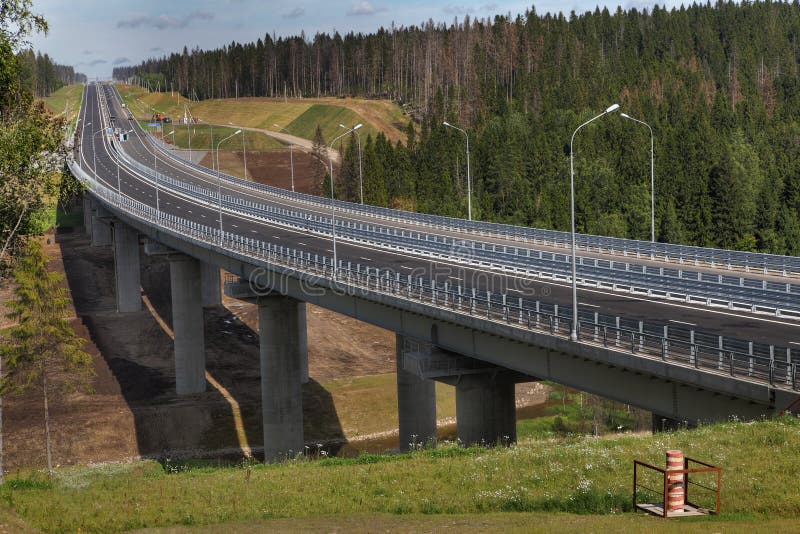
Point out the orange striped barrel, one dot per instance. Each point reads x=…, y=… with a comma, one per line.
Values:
x=675, y=491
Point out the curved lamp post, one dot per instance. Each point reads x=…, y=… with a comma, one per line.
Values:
x=219, y=182
x=574, y=334
x=333, y=205
x=652, y=179
x=469, y=184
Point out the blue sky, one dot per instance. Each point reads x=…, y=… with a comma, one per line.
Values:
x=95, y=37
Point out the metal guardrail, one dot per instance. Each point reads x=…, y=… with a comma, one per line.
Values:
x=758, y=362
x=736, y=293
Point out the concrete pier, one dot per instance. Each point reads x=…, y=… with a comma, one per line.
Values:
x=281, y=392
x=187, y=324
x=416, y=403
x=127, y=268
x=302, y=332
x=485, y=409
x=209, y=282
x=101, y=227
x=88, y=208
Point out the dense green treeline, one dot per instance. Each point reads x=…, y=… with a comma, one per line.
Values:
x=41, y=76
x=718, y=84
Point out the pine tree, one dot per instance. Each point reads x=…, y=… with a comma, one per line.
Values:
x=319, y=162
x=42, y=337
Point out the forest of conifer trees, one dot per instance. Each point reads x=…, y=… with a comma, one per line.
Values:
x=41, y=75
x=718, y=84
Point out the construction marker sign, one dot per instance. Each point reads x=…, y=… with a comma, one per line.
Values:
x=153, y=125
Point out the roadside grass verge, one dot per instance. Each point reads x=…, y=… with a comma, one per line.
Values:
x=569, y=476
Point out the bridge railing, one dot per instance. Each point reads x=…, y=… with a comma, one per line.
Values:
x=738, y=293
x=688, y=348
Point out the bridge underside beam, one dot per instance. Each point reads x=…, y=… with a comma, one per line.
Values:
x=281, y=390
x=416, y=401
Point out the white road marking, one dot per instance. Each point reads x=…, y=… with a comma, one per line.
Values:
x=363, y=258
x=301, y=244
x=794, y=343
x=406, y=267
x=588, y=305
x=682, y=322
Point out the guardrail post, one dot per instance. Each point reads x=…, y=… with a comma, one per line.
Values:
x=488, y=304
x=445, y=294
x=605, y=336
x=555, y=315
x=750, y=359
x=641, y=336
x=619, y=333
x=666, y=341
x=788, y=366
x=520, y=310
x=472, y=302
x=730, y=356
x=692, y=349
x=538, y=307
x=596, y=326
x=720, y=352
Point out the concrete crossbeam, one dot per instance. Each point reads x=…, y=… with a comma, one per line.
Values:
x=187, y=324
x=281, y=391
x=127, y=268
x=416, y=399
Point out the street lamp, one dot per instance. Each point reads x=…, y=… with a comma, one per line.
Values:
x=219, y=183
x=469, y=184
x=333, y=205
x=291, y=151
x=574, y=334
x=652, y=179
x=360, y=174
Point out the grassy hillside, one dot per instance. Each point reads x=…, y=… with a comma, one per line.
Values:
x=299, y=116
x=328, y=118
x=572, y=476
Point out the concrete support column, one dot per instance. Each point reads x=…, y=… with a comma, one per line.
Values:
x=209, y=282
x=302, y=332
x=187, y=324
x=416, y=404
x=281, y=392
x=87, y=214
x=485, y=409
x=127, y=268
x=101, y=230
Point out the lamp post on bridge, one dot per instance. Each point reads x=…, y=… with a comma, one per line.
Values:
x=652, y=179
x=291, y=152
x=469, y=183
x=360, y=174
x=219, y=182
x=574, y=334
x=333, y=204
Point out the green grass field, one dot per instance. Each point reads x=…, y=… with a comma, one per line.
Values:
x=201, y=138
x=535, y=483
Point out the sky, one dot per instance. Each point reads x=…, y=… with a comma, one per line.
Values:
x=94, y=37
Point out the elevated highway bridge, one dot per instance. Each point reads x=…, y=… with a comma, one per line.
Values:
x=691, y=334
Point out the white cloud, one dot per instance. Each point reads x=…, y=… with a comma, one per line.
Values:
x=163, y=22
x=364, y=8
x=295, y=13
